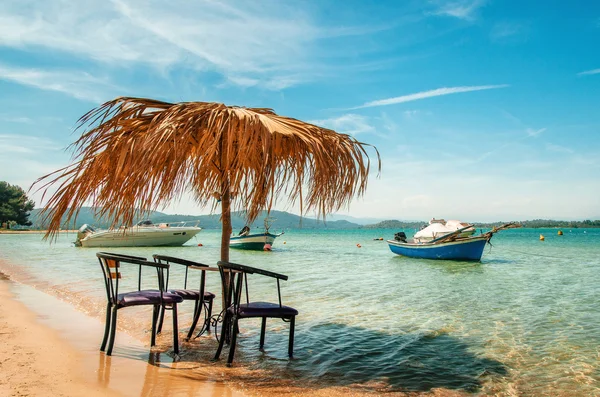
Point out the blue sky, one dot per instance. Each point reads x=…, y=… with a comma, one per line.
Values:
x=481, y=110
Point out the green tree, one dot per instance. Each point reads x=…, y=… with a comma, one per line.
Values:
x=14, y=205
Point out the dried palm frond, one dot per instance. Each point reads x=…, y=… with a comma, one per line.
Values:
x=141, y=154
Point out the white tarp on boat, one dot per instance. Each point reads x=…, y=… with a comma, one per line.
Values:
x=439, y=227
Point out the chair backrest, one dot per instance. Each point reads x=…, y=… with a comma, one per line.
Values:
x=234, y=279
x=112, y=265
x=170, y=260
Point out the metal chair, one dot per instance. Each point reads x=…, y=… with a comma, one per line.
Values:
x=200, y=296
x=234, y=279
x=112, y=269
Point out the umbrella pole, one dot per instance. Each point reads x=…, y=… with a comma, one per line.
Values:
x=226, y=225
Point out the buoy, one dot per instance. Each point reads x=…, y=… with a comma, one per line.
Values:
x=542, y=237
x=199, y=244
x=284, y=242
x=560, y=233
x=267, y=247
x=358, y=245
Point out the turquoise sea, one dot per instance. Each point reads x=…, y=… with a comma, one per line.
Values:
x=523, y=321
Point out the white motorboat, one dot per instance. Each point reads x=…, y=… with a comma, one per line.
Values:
x=143, y=234
x=439, y=227
x=255, y=241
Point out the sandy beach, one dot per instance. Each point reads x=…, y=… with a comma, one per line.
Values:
x=34, y=359
x=48, y=348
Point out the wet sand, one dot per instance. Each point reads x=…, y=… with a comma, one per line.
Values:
x=49, y=348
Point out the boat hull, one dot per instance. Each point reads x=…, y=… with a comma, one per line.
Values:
x=154, y=237
x=468, y=249
x=254, y=242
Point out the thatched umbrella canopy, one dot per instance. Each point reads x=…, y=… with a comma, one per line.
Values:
x=139, y=153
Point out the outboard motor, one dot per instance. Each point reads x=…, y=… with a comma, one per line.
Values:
x=83, y=233
x=400, y=236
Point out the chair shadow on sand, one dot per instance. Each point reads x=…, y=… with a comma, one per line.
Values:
x=330, y=355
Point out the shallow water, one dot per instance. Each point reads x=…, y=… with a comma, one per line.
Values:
x=523, y=321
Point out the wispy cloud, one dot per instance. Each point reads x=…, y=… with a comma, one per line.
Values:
x=77, y=84
x=558, y=149
x=249, y=44
x=507, y=32
x=352, y=124
x=462, y=9
x=26, y=144
x=428, y=94
x=534, y=133
x=15, y=119
x=587, y=72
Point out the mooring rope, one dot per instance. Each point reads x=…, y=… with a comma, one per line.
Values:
x=532, y=254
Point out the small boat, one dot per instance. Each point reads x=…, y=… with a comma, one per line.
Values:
x=451, y=246
x=143, y=234
x=255, y=241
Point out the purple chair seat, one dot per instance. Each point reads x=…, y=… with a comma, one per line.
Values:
x=190, y=294
x=146, y=297
x=264, y=309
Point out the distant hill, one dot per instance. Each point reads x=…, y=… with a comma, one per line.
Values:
x=284, y=220
x=394, y=224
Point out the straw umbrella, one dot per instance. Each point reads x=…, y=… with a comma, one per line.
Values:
x=141, y=154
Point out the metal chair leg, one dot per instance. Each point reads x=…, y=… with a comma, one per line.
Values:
x=222, y=338
x=291, y=341
x=175, y=330
x=208, y=315
x=113, y=331
x=106, y=327
x=263, y=327
x=233, y=341
x=154, y=320
x=162, y=318
x=197, y=310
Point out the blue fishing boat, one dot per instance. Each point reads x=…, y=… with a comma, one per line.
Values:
x=450, y=246
x=465, y=249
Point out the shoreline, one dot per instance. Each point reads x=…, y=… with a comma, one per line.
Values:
x=35, y=360
x=48, y=347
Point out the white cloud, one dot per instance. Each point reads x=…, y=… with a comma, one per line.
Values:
x=462, y=9
x=27, y=143
x=588, y=72
x=409, y=114
x=558, y=149
x=428, y=94
x=534, y=133
x=352, y=124
x=77, y=84
x=269, y=43
x=509, y=32
x=15, y=119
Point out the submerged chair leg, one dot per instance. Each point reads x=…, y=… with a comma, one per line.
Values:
x=106, y=327
x=113, y=331
x=155, y=313
x=197, y=310
x=263, y=327
x=175, y=330
x=162, y=318
x=208, y=315
x=233, y=341
x=291, y=341
x=224, y=327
